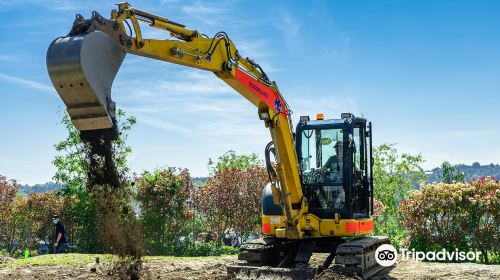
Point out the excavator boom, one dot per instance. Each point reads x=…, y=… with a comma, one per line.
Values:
x=83, y=65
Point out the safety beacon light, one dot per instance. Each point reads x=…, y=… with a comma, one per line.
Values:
x=320, y=116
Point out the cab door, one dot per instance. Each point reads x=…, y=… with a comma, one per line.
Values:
x=361, y=171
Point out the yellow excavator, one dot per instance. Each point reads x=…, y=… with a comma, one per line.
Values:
x=320, y=194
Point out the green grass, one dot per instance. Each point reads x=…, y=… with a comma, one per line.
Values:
x=58, y=259
x=181, y=258
x=77, y=260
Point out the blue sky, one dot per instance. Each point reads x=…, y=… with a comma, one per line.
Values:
x=426, y=73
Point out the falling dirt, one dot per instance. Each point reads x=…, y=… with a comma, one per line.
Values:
x=119, y=229
x=100, y=157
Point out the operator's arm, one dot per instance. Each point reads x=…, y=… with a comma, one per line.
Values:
x=329, y=163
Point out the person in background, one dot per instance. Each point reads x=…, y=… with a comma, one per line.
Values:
x=60, y=242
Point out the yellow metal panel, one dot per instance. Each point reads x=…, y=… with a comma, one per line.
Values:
x=317, y=227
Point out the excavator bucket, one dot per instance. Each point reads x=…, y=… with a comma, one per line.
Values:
x=82, y=68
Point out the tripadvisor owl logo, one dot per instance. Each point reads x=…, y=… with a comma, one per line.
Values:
x=386, y=255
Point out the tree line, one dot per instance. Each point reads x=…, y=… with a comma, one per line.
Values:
x=178, y=218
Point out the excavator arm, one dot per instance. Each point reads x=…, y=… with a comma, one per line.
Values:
x=83, y=65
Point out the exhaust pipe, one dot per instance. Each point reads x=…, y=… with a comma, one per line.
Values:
x=82, y=68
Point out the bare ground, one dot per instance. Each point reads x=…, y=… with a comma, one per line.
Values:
x=214, y=268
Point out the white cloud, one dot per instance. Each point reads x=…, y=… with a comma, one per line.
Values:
x=6, y=161
x=7, y=58
x=305, y=100
x=161, y=123
x=57, y=5
x=202, y=13
x=286, y=24
x=186, y=84
x=200, y=9
x=169, y=2
x=27, y=83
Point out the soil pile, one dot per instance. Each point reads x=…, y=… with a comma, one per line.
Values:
x=118, y=227
x=333, y=273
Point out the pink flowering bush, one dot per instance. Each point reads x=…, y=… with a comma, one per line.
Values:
x=232, y=199
x=464, y=216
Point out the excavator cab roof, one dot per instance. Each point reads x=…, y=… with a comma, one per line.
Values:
x=330, y=123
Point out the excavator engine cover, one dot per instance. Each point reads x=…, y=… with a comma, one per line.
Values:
x=82, y=68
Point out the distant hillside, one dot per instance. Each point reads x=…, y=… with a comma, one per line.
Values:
x=471, y=171
x=51, y=186
x=475, y=170
x=39, y=188
x=199, y=181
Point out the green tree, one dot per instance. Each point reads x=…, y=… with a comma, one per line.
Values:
x=451, y=174
x=394, y=177
x=71, y=172
x=165, y=211
x=231, y=159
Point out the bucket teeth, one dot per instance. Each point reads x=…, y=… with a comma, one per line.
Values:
x=82, y=69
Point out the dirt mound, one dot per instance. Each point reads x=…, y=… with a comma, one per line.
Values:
x=335, y=273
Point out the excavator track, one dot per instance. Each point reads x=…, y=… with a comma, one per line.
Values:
x=270, y=258
x=263, y=252
x=358, y=255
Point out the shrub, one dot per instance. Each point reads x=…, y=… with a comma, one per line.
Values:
x=164, y=207
x=463, y=216
x=8, y=189
x=203, y=249
x=395, y=176
x=32, y=217
x=231, y=199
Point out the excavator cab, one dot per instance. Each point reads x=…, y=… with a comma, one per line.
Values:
x=336, y=166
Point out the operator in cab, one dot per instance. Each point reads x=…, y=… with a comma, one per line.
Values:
x=334, y=164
